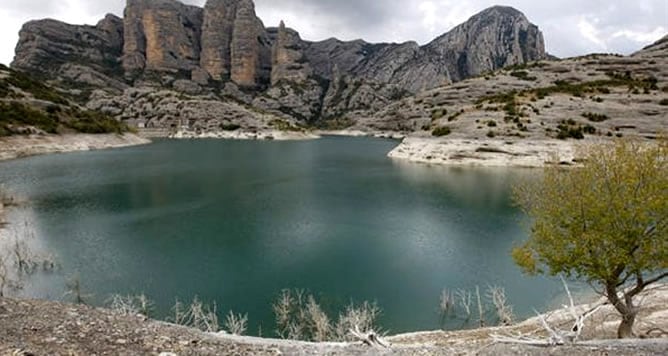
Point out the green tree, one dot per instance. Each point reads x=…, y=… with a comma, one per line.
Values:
x=605, y=223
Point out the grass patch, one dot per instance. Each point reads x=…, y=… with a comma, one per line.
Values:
x=38, y=89
x=16, y=114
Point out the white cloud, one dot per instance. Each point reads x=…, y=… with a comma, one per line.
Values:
x=589, y=31
x=639, y=36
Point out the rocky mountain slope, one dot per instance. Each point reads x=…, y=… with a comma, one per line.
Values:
x=224, y=53
x=523, y=115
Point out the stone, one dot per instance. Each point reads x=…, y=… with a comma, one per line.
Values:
x=161, y=35
x=250, y=48
x=187, y=86
x=492, y=39
x=217, y=29
x=200, y=76
x=45, y=45
x=288, y=62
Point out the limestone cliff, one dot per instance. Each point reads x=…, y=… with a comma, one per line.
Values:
x=287, y=60
x=250, y=48
x=45, y=45
x=161, y=35
x=495, y=38
x=217, y=32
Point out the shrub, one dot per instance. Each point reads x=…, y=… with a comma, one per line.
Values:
x=593, y=117
x=663, y=102
x=438, y=113
x=523, y=75
x=491, y=134
x=229, y=127
x=491, y=123
x=93, y=122
x=21, y=115
x=441, y=131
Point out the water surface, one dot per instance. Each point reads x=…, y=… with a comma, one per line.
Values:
x=236, y=222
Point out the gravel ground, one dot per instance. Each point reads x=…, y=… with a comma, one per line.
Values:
x=30, y=327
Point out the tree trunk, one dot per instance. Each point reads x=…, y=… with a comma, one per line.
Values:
x=625, y=329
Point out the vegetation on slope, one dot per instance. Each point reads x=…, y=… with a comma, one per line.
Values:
x=28, y=106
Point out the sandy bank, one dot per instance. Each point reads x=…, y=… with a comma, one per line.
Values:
x=248, y=135
x=487, y=153
x=24, y=146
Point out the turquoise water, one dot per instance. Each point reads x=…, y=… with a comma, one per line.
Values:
x=236, y=222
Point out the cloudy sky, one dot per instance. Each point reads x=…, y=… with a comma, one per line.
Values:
x=571, y=27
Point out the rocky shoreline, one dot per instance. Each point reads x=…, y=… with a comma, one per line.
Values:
x=14, y=147
x=488, y=152
x=42, y=327
x=264, y=135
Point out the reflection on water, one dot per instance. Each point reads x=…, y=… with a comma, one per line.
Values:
x=236, y=222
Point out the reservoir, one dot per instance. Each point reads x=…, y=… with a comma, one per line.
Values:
x=236, y=222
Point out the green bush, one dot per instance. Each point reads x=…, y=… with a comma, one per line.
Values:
x=523, y=75
x=593, y=117
x=570, y=129
x=438, y=113
x=441, y=131
x=34, y=87
x=93, y=122
x=491, y=123
x=491, y=134
x=229, y=127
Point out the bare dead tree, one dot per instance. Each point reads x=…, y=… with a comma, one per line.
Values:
x=131, y=305
x=555, y=335
x=481, y=310
x=236, y=324
x=464, y=298
x=504, y=311
x=196, y=315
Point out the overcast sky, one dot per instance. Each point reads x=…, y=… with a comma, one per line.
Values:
x=571, y=27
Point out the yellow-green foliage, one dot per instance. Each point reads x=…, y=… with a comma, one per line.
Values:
x=609, y=214
x=606, y=223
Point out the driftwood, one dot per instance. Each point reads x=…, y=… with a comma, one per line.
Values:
x=556, y=336
x=369, y=338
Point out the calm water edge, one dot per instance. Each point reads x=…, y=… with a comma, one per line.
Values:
x=236, y=222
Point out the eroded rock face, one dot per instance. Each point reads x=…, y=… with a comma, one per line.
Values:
x=161, y=35
x=495, y=38
x=250, y=48
x=288, y=61
x=219, y=16
x=45, y=45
